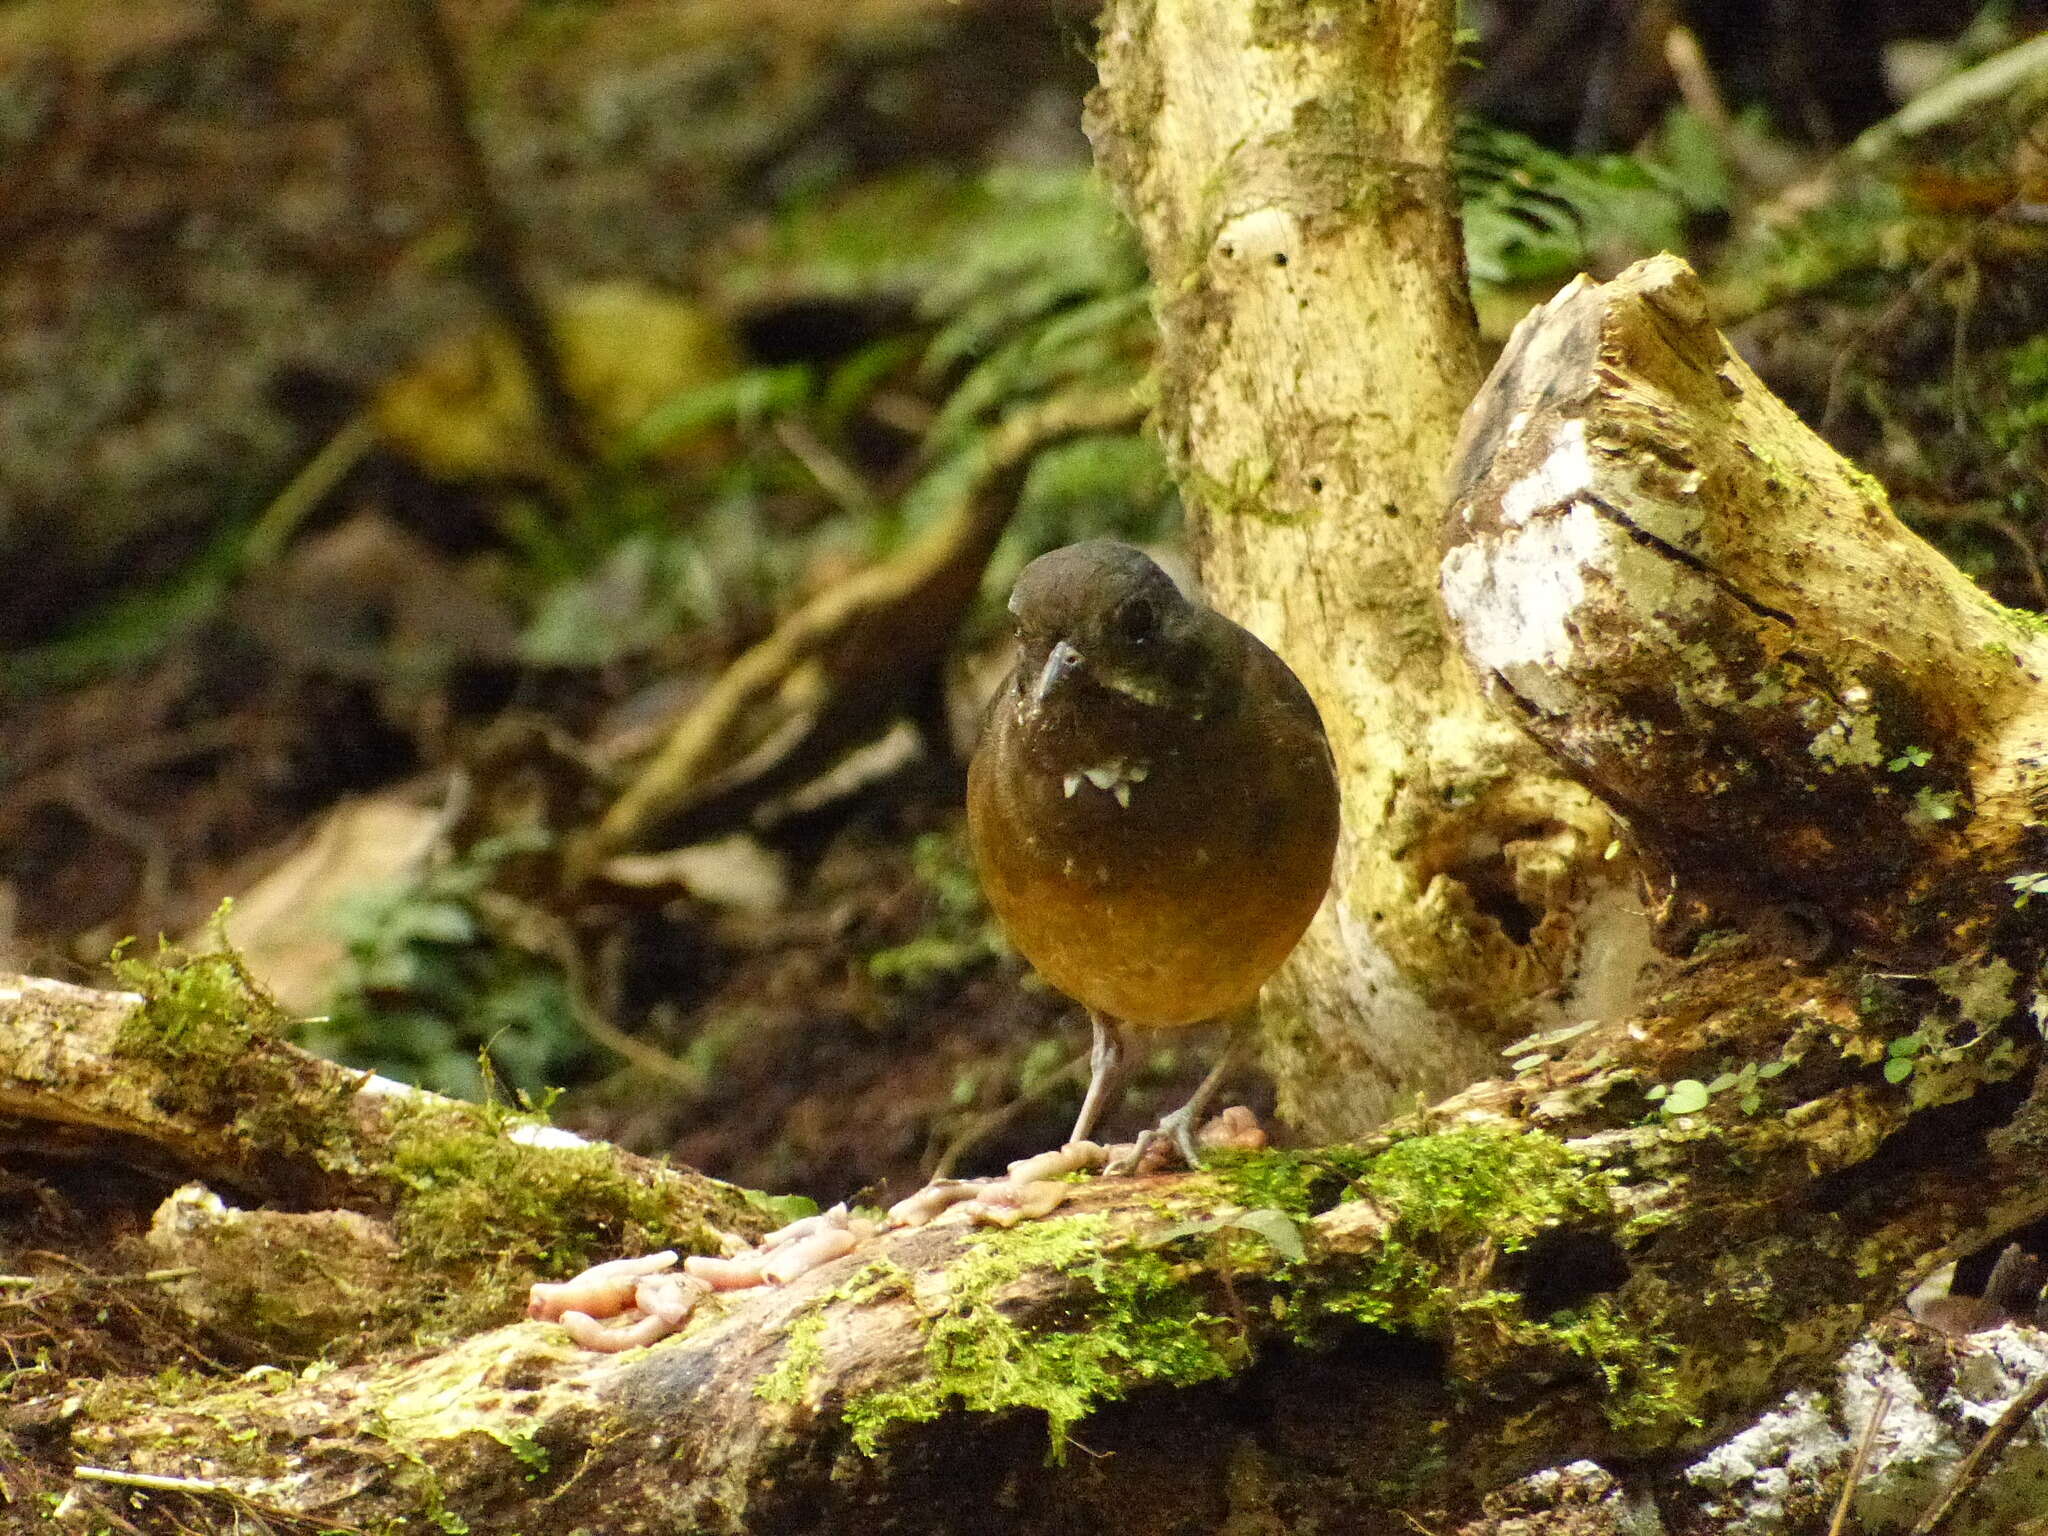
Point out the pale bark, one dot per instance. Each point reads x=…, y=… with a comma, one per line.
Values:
x=1800, y=708
x=1288, y=167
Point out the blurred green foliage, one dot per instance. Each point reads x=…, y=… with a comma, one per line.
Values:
x=431, y=996
x=961, y=932
x=1534, y=214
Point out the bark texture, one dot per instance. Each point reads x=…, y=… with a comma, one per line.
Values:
x=1803, y=712
x=1288, y=167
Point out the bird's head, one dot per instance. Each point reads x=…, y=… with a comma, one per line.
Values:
x=1101, y=622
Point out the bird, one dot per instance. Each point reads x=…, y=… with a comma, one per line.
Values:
x=1152, y=809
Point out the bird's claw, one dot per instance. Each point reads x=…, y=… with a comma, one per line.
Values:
x=1180, y=1125
x=1125, y=1159
x=1148, y=1153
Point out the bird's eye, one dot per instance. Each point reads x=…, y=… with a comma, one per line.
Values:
x=1137, y=619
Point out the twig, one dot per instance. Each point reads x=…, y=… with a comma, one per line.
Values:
x=835, y=477
x=1859, y=1461
x=201, y=1487
x=313, y=484
x=155, y=1482
x=494, y=252
x=559, y=942
x=1982, y=1455
x=1979, y=515
x=1895, y=314
x=1687, y=62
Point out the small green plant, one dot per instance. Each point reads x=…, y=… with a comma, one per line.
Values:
x=1947, y=1051
x=431, y=996
x=2027, y=886
x=1275, y=1227
x=1690, y=1095
x=1900, y=1056
x=526, y=1450
x=1531, y=213
x=1931, y=805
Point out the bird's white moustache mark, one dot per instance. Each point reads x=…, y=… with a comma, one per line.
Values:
x=1114, y=778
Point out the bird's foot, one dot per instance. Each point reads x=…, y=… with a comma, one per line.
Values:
x=1235, y=1129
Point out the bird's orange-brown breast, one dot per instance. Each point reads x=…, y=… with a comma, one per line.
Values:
x=1167, y=886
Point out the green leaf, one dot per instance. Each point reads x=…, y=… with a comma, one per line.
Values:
x=1723, y=1083
x=1930, y=804
x=1773, y=1069
x=1657, y=1093
x=433, y=922
x=1277, y=1228
x=1898, y=1069
x=1905, y=1045
x=783, y=1208
x=1688, y=1096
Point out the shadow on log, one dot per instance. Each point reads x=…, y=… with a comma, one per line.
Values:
x=1634, y=1244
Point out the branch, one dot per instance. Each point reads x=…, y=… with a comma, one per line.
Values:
x=837, y=671
x=1288, y=166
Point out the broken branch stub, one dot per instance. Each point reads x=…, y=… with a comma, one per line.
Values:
x=1717, y=623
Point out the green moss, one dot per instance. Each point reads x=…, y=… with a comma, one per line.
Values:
x=789, y=1380
x=479, y=1214
x=1451, y=1193
x=1642, y=1396
x=803, y=1351
x=1134, y=1323
x=2025, y=620
x=1299, y=1183
x=197, y=1010
x=1446, y=1193
x=219, y=1038
x=1466, y=1185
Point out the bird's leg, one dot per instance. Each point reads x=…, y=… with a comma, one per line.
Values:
x=1182, y=1124
x=1105, y=1074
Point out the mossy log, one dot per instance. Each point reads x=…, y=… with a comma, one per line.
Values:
x=1826, y=745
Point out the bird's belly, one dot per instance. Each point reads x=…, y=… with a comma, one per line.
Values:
x=1168, y=911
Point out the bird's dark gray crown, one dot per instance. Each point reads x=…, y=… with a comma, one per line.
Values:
x=1134, y=633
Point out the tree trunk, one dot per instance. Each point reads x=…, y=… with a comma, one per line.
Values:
x=1643, y=1238
x=1288, y=167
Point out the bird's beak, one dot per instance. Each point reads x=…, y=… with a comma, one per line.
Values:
x=1063, y=660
